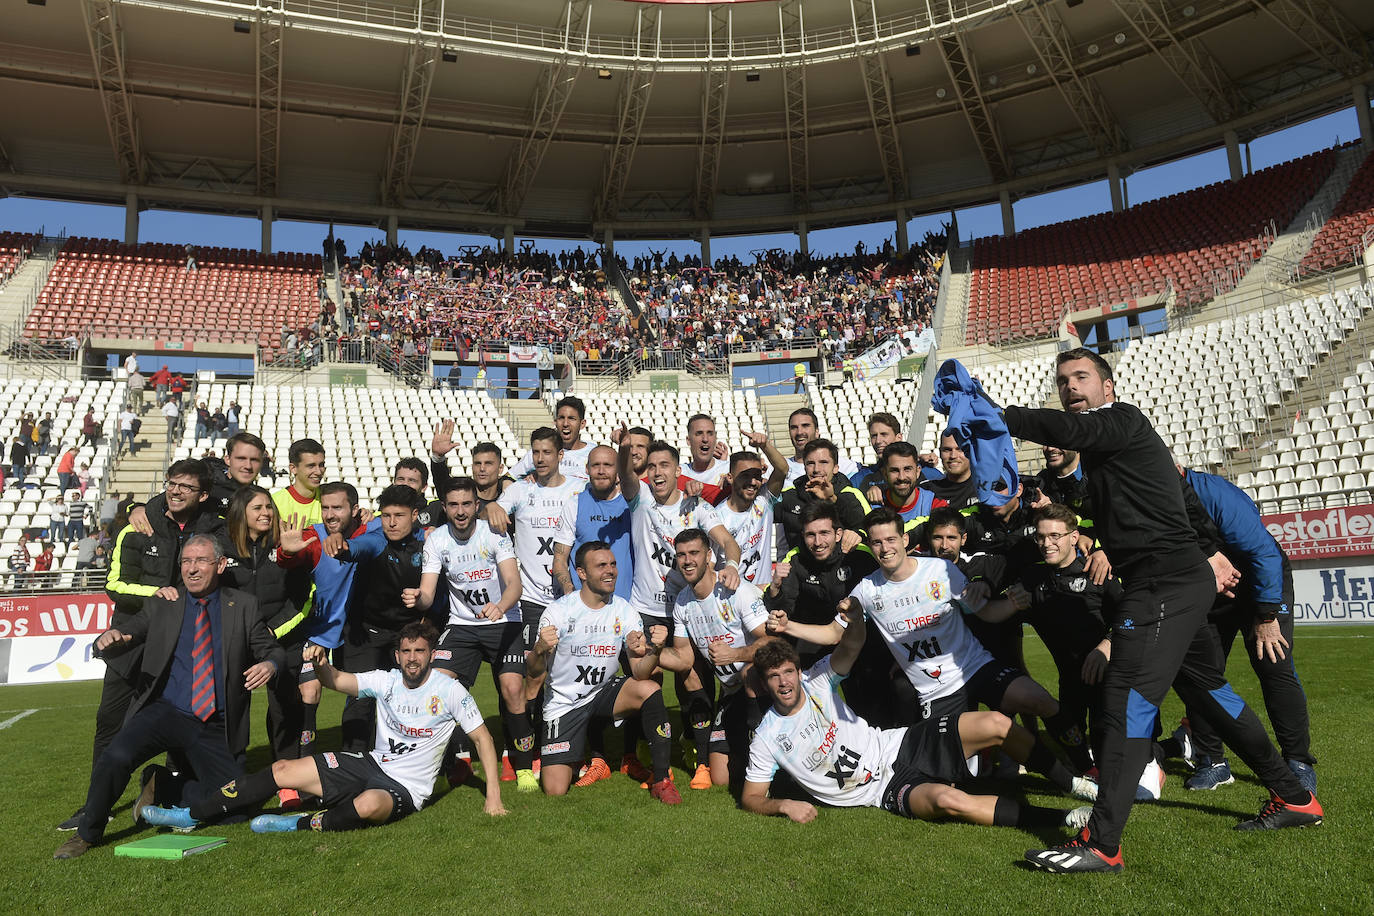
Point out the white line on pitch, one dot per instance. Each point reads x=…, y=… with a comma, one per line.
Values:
x=13, y=719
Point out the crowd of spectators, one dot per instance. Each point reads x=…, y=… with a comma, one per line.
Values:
x=397, y=304
x=843, y=303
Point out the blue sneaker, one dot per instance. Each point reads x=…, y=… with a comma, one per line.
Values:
x=274, y=823
x=1209, y=775
x=169, y=817
x=1306, y=775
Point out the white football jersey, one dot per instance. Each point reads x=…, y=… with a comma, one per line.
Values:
x=831, y=752
x=588, y=652
x=534, y=512
x=722, y=616
x=571, y=464
x=752, y=530
x=924, y=626
x=413, y=726
x=471, y=571
x=713, y=475
x=653, y=528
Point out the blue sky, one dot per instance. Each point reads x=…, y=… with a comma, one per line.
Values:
x=59, y=217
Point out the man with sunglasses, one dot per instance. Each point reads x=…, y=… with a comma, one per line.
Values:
x=141, y=566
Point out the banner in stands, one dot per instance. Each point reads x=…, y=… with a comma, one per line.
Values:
x=46, y=659
x=48, y=637
x=539, y=356
x=891, y=351
x=1334, y=594
x=54, y=615
x=1347, y=531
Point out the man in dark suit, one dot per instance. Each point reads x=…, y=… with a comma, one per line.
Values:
x=204, y=650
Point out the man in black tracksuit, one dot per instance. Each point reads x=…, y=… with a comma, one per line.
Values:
x=1072, y=616
x=390, y=560
x=821, y=482
x=1160, y=637
x=822, y=575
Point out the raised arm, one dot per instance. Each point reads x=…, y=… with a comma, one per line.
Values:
x=329, y=676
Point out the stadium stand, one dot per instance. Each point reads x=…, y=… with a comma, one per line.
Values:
x=105, y=288
x=847, y=303
x=1338, y=242
x=68, y=402
x=364, y=431
x=14, y=248
x=843, y=412
x=1022, y=286
x=1210, y=389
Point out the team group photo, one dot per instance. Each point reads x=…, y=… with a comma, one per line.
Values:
x=719, y=456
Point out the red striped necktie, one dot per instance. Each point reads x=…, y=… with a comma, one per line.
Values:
x=202, y=665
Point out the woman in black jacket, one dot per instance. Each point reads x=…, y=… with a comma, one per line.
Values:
x=251, y=533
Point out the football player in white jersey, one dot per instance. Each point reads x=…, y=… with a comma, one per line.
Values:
x=707, y=463
x=916, y=603
x=579, y=646
x=479, y=571
x=718, y=625
x=656, y=518
x=417, y=710
x=747, y=512
x=569, y=416
x=533, y=507
x=841, y=760
x=801, y=429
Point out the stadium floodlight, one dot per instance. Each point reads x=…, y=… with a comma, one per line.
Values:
x=1072, y=3
x=38, y=2
x=753, y=76
x=243, y=26
x=913, y=50
x=603, y=74
x=450, y=56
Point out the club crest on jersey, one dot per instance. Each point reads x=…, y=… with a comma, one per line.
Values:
x=933, y=675
x=524, y=744
x=842, y=573
x=617, y=626
x=434, y=706
x=934, y=590
x=1077, y=585
x=785, y=743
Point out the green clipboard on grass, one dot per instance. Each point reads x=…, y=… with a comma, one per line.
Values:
x=169, y=846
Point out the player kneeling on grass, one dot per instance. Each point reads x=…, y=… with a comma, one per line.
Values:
x=581, y=636
x=417, y=709
x=841, y=760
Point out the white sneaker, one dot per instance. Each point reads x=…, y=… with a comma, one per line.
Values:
x=1151, y=783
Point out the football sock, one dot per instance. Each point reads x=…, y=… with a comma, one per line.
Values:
x=308, y=727
x=1041, y=761
x=344, y=817
x=1070, y=738
x=236, y=795
x=696, y=718
x=658, y=733
x=519, y=739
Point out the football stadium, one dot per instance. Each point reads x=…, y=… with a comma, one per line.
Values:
x=811, y=411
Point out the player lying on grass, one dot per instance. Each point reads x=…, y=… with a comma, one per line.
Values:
x=841, y=760
x=417, y=709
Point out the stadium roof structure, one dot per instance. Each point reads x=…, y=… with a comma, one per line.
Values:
x=651, y=120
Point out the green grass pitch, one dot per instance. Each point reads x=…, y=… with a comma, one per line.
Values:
x=612, y=849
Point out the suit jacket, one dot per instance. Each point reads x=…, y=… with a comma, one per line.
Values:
x=244, y=641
